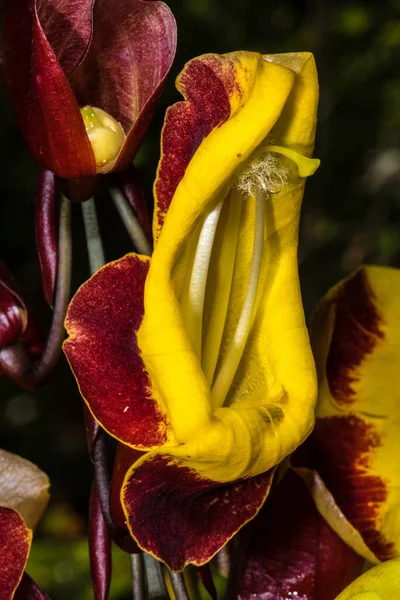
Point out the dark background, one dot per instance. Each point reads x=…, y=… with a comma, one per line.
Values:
x=351, y=215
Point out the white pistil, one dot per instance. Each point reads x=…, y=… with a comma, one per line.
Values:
x=198, y=280
x=236, y=347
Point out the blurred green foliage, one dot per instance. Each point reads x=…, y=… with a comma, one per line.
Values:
x=351, y=215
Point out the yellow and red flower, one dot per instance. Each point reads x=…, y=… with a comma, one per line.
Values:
x=355, y=445
x=199, y=357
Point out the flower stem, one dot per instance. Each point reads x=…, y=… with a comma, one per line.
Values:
x=52, y=351
x=137, y=569
x=130, y=221
x=156, y=588
x=93, y=237
x=179, y=585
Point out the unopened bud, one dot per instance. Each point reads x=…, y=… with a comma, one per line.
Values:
x=105, y=134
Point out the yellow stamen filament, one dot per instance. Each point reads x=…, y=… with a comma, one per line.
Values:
x=198, y=281
x=222, y=285
x=105, y=134
x=236, y=347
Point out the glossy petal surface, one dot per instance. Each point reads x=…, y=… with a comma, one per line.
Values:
x=130, y=54
x=102, y=350
x=47, y=110
x=15, y=543
x=356, y=336
x=292, y=551
x=180, y=517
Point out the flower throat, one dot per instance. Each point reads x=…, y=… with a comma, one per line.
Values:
x=264, y=176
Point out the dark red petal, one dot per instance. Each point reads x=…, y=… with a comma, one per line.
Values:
x=99, y=548
x=102, y=349
x=67, y=25
x=180, y=516
x=356, y=332
x=206, y=89
x=29, y=590
x=15, y=542
x=46, y=231
x=341, y=447
x=292, y=552
x=46, y=107
x=129, y=57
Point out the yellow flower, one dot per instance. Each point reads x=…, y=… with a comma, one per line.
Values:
x=217, y=385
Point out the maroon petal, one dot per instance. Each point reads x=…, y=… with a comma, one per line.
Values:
x=292, y=552
x=357, y=331
x=129, y=57
x=15, y=543
x=67, y=25
x=46, y=231
x=29, y=590
x=46, y=107
x=102, y=349
x=181, y=517
x=207, y=84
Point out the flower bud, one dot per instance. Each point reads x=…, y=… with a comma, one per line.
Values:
x=105, y=134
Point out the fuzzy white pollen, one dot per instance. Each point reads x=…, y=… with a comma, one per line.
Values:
x=266, y=173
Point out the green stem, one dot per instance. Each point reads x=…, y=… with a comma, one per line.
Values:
x=178, y=583
x=137, y=577
x=130, y=221
x=156, y=589
x=93, y=237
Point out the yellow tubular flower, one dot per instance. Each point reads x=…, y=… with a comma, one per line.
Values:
x=228, y=351
x=218, y=383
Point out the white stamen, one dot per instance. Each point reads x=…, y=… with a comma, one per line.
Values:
x=236, y=347
x=197, y=287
